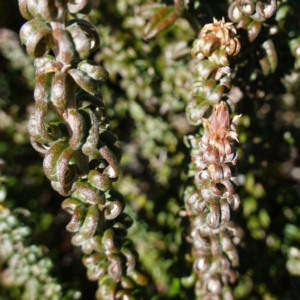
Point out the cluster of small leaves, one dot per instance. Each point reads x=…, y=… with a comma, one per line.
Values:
x=213, y=234
x=154, y=75
x=69, y=125
x=26, y=269
x=269, y=153
x=293, y=254
x=137, y=69
x=11, y=49
x=149, y=82
x=250, y=15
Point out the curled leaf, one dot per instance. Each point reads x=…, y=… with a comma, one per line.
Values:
x=80, y=40
x=79, y=6
x=201, y=264
x=64, y=190
x=90, y=31
x=204, y=69
x=78, y=125
x=51, y=158
x=42, y=91
x=196, y=109
x=234, y=13
x=89, y=226
x=41, y=9
x=99, y=181
x=65, y=46
x=66, y=173
x=246, y=6
x=58, y=152
x=108, y=139
x=24, y=10
x=112, y=170
x=33, y=34
x=59, y=92
x=51, y=11
x=116, y=266
x=88, y=194
x=127, y=283
x=71, y=204
x=111, y=241
x=39, y=147
x=210, y=91
x=36, y=127
x=78, y=213
x=94, y=70
x=84, y=81
x=107, y=288
x=96, y=264
x=112, y=209
x=266, y=8
x=93, y=135
x=131, y=258
x=47, y=64
x=84, y=100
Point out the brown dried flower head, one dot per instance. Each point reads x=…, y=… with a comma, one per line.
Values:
x=217, y=35
x=225, y=33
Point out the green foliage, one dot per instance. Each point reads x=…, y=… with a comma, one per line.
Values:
x=145, y=95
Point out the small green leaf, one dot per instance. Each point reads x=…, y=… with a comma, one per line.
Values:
x=292, y=232
x=2, y=193
x=249, y=206
x=264, y=218
x=269, y=61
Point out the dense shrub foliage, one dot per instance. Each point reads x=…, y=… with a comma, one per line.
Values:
x=154, y=110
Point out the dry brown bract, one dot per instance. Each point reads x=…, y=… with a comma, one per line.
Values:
x=223, y=34
x=218, y=132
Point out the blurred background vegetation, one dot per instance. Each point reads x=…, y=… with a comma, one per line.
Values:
x=146, y=96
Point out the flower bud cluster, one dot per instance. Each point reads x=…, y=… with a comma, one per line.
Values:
x=212, y=233
x=69, y=125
